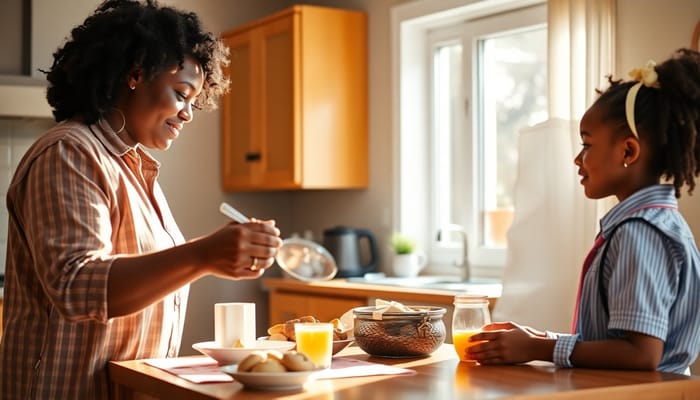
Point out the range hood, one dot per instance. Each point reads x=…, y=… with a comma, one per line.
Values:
x=23, y=97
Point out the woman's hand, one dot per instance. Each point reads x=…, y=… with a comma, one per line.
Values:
x=240, y=251
x=509, y=343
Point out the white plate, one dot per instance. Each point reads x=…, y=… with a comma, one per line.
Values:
x=234, y=355
x=270, y=380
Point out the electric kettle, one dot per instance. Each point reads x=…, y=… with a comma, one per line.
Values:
x=350, y=247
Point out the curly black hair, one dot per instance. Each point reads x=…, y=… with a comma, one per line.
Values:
x=91, y=68
x=667, y=118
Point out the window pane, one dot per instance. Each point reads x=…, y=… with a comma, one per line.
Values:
x=513, y=95
x=447, y=89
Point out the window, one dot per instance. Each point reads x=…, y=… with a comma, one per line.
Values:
x=486, y=79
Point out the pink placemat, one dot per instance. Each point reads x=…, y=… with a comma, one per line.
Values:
x=193, y=369
x=207, y=370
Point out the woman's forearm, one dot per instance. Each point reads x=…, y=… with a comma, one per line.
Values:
x=135, y=282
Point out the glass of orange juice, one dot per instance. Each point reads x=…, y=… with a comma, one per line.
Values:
x=315, y=339
x=470, y=314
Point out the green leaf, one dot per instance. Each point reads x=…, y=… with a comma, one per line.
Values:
x=402, y=244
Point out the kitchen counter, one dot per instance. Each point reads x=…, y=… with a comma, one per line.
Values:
x=348, y=288
x=440, y=376
x=290, y=298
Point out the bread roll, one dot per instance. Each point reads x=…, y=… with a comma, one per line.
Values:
x=274, y=354
x=269, y=365
x=252, y=360
x=295, y=361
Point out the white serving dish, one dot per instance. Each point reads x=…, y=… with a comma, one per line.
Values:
x=234, y=355
x=271, y=380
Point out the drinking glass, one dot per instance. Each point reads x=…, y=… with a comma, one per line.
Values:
x=470, y=314
x=315, y=339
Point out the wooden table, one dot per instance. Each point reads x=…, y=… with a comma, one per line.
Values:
x=440, y=376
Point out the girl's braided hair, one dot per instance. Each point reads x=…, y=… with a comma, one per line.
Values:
x=91, y=68
x=667, y=118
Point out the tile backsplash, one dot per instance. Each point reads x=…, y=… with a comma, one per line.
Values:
x=16, y=135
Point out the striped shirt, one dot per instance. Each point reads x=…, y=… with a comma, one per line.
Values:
x=80, y=198
x=652, y=281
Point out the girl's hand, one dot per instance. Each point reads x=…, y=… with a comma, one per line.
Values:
x=512, y=325
x=504, y=343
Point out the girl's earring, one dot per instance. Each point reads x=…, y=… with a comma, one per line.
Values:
x=132, y=87
x=624, y=165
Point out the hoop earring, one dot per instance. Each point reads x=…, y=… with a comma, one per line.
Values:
x=118, y=131
x=124, y=122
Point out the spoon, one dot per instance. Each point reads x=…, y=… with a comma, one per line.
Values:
x=232, y=213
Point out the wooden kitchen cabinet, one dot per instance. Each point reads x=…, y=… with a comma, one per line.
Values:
x=296, y=115
x=285, y=306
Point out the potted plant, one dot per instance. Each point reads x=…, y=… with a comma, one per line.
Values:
x=402, y=244
x=407, y=262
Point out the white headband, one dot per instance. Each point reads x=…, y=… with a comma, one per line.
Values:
x=645, y=76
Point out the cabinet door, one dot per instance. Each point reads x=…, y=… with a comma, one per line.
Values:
x=260, y=149
x=281, y=118
x=238, y=122
x=327, y=308
x=285, y=306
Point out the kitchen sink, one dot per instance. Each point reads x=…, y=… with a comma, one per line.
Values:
x=490, y=287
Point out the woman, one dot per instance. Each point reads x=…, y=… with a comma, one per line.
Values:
x=97, y=269
x=640, y=283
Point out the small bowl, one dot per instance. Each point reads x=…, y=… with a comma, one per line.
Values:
x=337, y=344
x=234, y=355
x=270, y=380
x=340, y=345
x=400, y=334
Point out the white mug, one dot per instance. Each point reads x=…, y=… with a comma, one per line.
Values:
x=409, y=265
x=234, y=324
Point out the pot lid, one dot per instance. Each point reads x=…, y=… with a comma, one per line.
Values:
x=306, y=260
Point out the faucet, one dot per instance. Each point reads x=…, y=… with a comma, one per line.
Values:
x=464, y=264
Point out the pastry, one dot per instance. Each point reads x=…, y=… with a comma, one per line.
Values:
x=274, y=354
x=295, y=361
x=269, y=365
x=276, y=329
x=278, y=336
x=252, y=360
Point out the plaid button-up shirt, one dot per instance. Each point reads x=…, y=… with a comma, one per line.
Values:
x=80, y=198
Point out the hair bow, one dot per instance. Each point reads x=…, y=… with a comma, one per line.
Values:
x=646, y=75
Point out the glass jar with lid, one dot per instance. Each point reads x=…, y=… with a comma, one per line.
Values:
x=470, y=314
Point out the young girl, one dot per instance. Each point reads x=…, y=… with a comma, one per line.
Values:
x=640, y=287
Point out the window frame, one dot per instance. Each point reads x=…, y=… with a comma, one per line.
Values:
x=425, y=26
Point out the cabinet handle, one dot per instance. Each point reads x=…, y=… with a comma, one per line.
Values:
x=253, y=156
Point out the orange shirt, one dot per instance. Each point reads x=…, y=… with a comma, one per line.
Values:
x=79, y=198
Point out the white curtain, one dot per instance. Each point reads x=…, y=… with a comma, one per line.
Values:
x=554, y=224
